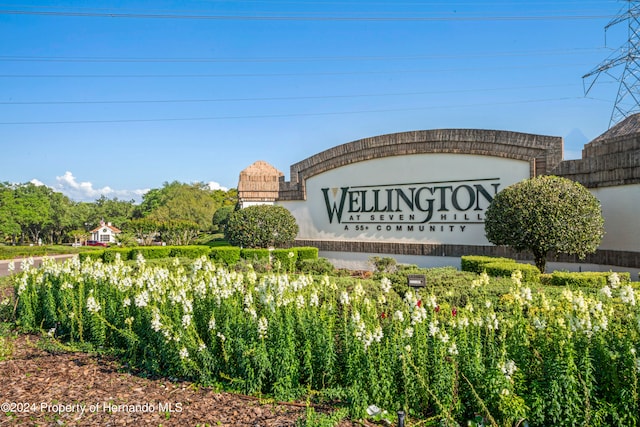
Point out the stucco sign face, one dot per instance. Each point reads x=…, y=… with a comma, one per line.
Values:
x=435, y=198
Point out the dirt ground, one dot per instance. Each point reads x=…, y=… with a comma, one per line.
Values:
x=58, y=388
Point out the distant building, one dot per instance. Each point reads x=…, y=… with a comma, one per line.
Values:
x=105, y=233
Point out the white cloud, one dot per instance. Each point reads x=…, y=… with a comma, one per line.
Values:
x=84, y=190
x=216, y=186
x=37, y=182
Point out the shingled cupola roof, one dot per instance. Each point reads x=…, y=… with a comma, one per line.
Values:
x=259, y=183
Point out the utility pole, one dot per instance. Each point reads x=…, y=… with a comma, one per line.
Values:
x=628, y=97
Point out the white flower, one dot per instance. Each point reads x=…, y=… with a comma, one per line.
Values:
x=377, y=334
x=508, y=368
x=140, y=259
x=385, y=284
x=142, y=299
x=453, y=349
x=407, y=348
x=221, y=336
x=627, y=295
x=155, y=321
x=184, y=354
x=408, y=332
x=300, y=302
x=444, y=337
x=614, y=280
x=314, y=301
x=11, y=266
x=186, y=320
x=92, y=305
x=606, y=291
x=263, y=325
x=126, y=302
x=433, y=328
x=539, y=324
x=128, y=320
x=290, y=254
x=212, y=324
x=344, y=298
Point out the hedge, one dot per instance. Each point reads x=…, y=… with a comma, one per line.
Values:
x=255, y=254
x=228, y=255
x=109, y=255
x=476, y=263
x=151, y=252
x=99, y=254
x=588, y=279
x=307, y=252
x=530, y=273
x=287, y=258
x=191, y=252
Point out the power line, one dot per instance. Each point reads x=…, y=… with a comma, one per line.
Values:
x=122, y=15
x=573, y=51
x=288, y=115
x=282, y=98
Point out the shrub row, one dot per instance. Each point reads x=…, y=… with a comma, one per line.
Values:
x=228, y=255
x=499, y=267
x=587, y=279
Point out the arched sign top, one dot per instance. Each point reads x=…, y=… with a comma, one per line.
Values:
x=542, y=152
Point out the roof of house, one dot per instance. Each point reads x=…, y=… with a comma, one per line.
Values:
x=116, y=230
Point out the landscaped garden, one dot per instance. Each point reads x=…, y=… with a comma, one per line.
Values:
x=557, y=349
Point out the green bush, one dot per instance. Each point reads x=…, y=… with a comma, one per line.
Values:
x=228, y=255
x=91, y=255
x=587, y=279
x=151, y=252
x=530, y=273
x=287, y=258
x=109, y=255
x=307, y=252
x=476, y=263
x=261, y=226
x=318, y=266
x=191, y=252
x=253, y=255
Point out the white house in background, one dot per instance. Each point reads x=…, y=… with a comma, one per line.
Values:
x=105, y=233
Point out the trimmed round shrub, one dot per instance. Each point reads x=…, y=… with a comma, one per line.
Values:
x=261, y=226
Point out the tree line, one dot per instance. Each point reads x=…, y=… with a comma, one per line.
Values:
x=177, y=212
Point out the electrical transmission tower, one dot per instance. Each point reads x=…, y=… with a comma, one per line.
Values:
x=628, y=98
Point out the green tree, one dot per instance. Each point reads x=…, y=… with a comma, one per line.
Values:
x=261, y=226
x=179, y=232
x=118, y=212
x=221, y=217
x=62, y=220
x=10, y=229
x=546, y=214
x=178, y=201
x=32, y=209
x=144, y=229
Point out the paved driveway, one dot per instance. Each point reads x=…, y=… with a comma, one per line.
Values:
x=37, y=261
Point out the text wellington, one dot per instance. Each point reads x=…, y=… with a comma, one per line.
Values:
x=449, y=202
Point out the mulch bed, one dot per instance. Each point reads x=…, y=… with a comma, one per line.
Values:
x=45, y=388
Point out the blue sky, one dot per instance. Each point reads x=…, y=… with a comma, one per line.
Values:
x=117, y=97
